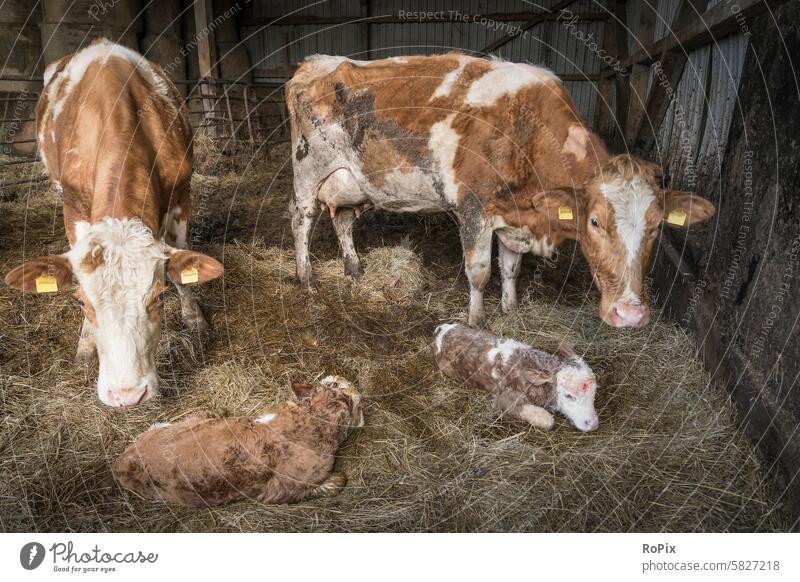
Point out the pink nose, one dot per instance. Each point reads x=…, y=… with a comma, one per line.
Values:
x=622, y=315
x=131, y=396
x=591, y=424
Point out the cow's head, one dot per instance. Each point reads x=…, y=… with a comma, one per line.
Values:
x=616, y=217
x=118, y=272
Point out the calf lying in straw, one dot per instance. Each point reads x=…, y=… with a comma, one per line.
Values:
x=283, y=456
x=527, y=384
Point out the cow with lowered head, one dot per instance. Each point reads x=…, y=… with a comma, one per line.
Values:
x=114, y=137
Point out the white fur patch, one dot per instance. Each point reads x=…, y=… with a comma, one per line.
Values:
x=441, y=331
x=630, y=201
x=156, y=425
x=505, y=348
x=506, y=78
x=443, y=144
x=266, y=419
x=444, y=88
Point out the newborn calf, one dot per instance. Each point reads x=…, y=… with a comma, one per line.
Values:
x=527, y=384
x=283, y=456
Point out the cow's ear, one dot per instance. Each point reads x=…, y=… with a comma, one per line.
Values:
x=537, y=377
x=302, y=390
x=685, y=208
x=188, y=267
x=42, y=275
x=562, y=207
x=565, y=350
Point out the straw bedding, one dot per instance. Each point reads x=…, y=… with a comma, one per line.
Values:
x=433, y=456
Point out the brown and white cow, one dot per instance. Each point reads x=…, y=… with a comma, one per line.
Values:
x=499, y=144
x=114, y=136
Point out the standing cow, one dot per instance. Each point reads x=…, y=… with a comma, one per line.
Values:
x=499, y=144
x=114, y=137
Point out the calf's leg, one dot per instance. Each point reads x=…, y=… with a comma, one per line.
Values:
x=510, y=263
x=331, y=487
x=513, y=404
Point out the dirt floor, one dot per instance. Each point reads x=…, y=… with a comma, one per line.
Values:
x=433, y=456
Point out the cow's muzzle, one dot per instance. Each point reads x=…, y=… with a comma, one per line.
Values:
x=626, y=315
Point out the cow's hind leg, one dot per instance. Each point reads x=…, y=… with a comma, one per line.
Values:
x=476, y=240
x=343, y=224
x=178, y=236
x=510, y=262
x=304, y=210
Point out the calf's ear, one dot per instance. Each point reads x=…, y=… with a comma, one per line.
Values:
x=562, y=207
x=42, y=275
x=188, y=267
x=302, y=390
x=685, y=208
x=537, y=377
x=565, y=350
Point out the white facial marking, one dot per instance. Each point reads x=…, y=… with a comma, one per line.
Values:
x=118, y=289
x=443, y=144
x=506, y=78
x=630, y=201
x=443, y=90
x=439, y=334
x=572, y=400
x=266, y=419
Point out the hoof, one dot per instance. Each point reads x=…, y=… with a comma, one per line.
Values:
x=332, y=486
x=509, y=307
x=197, y=323
x=353, y=268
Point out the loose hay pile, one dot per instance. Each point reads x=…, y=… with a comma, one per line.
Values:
x=432, y=456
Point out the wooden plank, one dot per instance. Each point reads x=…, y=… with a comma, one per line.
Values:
x=620, y=24
x=671, y=65
x=639, y=75
x=364, y=29
x=506, y=38
x=203, y=16
x=443, y=17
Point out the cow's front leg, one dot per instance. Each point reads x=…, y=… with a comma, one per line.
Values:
x=476, y=240
x=510, y=262
x=343, y=224
x=303, y=211
x=178, y=236
x=87, y=348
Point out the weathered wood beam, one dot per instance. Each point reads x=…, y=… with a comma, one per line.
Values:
x=394, y=19
x=620, y=24
x=639, y=74
x=506, y=38
x=671, y=67
x=364, y=29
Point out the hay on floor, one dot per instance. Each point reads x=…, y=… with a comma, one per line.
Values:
x=433, y=456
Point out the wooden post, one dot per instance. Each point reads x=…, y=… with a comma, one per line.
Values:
x=203, y=16
x=602, y=109
x=620, y=23
x=639, y=76
x=672, y=64
x=364, y=29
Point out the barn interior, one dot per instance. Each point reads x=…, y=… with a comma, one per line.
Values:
x=699, y=411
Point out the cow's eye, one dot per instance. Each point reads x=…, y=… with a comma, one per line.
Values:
x=79, y=301
x=569, y=396
x=161, y=296
x=594, y=222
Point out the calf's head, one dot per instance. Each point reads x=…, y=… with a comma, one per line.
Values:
x=616, y=217
x=118, y=272
x=337, y=398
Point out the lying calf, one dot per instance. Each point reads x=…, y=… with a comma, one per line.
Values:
x=285, y=455
x=527, y=384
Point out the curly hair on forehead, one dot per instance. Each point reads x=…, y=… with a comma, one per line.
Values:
x=628, y=168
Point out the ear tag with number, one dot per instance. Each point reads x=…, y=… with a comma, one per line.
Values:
x=189, y=275
x=564, y=213
x=677, y=217
x=46, y=284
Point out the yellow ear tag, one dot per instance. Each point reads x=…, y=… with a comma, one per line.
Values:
x=677, y=217
x=46, y=284
x=564, y=213
x=189, y=275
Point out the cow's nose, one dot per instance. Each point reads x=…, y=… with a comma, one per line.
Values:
x=131, y=396
x=591, y=424
x=624, y=315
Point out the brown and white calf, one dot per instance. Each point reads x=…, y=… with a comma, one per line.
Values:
x=499, y=144
x=527, y=384
x=114, y=136
x=283, y=456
